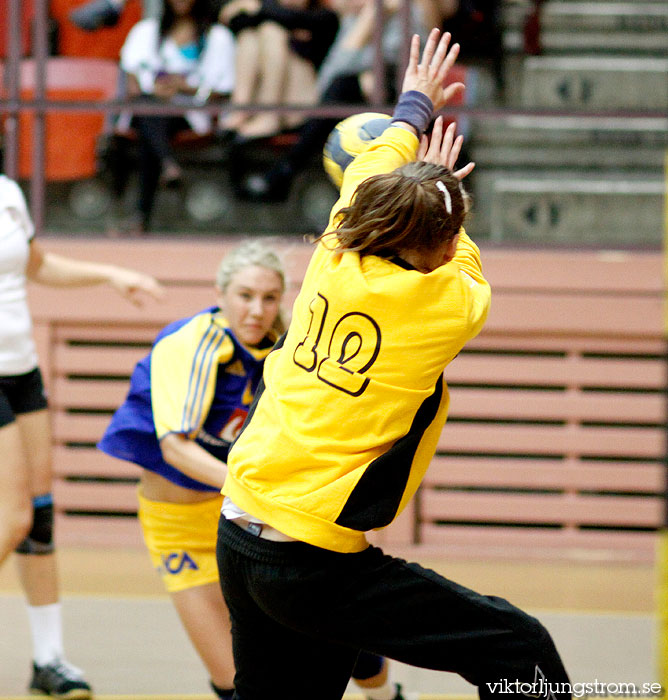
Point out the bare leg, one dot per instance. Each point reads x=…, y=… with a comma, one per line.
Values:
x=205, y=617
x=247, y=67
x=275, y=52
x=300, y=88
x=15, y=505
x=38, y=572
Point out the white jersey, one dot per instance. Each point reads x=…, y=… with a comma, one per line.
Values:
x=145, y=56
x=17, y=347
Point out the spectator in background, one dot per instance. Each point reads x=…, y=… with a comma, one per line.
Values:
x=477, y=24
x=280, y=46
x=345, y=77
x=183, y=58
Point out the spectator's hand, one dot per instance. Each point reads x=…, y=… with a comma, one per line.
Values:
x=132, y=285
x=428, y=75
x=165, y=86
x=443, y=149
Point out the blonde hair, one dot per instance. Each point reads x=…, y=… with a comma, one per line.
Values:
x=250, y=254
x=247, y=255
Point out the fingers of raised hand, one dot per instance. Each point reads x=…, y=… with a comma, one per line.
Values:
x=446, y=145
x=429, y=50
x=463, y=172
x=414, y=56
x=451, y=90
x=433, y=154
x=423, y=148
x=447, y=60
x=441, y=60
x=451, y=147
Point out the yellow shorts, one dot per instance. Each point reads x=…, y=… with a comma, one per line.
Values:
x=181, y=539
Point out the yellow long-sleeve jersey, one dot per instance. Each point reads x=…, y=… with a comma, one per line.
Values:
x=354, y=400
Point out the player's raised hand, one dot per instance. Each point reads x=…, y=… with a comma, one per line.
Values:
x=428, y=75
x=442, y=148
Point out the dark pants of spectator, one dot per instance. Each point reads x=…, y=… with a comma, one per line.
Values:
x=155, y=132
x=300, y=614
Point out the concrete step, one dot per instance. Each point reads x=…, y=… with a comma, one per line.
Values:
x=594, y=83
x=564, y=209
x=634, y=28
x=563, y=142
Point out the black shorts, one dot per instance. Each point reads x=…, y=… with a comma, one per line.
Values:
x=21, y=393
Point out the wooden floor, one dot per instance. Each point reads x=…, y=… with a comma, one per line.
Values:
x=122, y=629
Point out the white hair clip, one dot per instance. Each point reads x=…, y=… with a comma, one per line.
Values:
x=446, y=196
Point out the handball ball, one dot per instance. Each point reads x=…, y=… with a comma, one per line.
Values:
x=348, y=139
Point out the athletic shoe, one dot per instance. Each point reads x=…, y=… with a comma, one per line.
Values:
x=95, y=15
x=397, y=695
x=59, y=679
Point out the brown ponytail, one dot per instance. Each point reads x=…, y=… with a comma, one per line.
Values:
x=402, y=211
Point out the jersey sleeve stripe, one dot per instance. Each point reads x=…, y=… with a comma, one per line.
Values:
x=194, y=382
x=211, y=360
x=200, y=345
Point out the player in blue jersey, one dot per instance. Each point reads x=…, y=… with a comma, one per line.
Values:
x=187, y=401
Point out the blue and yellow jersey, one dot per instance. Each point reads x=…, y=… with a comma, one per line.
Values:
x=198, y=381
x=353, y=400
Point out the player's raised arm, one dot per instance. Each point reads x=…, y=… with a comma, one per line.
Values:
x=422, y=93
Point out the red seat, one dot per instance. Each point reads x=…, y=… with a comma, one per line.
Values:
x=70, y=136
x=103, y=43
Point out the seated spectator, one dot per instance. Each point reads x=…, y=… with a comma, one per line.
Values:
x=476, y=25
x=280, y=46
x=345, y=77
x=185, y=59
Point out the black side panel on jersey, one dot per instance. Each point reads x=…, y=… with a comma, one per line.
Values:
x=376, y=497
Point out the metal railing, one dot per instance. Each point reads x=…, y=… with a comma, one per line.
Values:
x=39, y=106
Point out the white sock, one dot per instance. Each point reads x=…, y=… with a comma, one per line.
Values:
x=46, y=627
x=387, y=691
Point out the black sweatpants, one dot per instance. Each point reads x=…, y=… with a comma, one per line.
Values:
x=300, y=615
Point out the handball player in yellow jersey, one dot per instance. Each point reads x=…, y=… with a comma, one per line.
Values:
x=343, y=428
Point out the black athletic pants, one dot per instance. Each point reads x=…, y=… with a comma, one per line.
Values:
x=155, y=132
x=300, y=615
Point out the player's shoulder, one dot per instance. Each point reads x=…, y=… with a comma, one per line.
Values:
x=187, y=328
